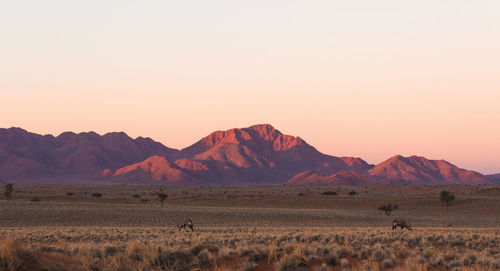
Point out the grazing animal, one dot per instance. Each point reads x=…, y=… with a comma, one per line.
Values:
x=400, y=223
x=187, y=224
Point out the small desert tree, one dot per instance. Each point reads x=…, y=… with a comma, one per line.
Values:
x=446, y=197
x=97, y=195
x=162, y=197
x=388, y=208
x=9, y=188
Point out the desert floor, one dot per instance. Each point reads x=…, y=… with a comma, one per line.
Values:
x=64, y=227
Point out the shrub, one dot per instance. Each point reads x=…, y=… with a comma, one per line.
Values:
x=293, y=263
x=447, y=197
x=10, y=250
x=205, y=259
x=344, y=262
x=110, y=251
x=329, y=193
x=175, y=260
x=352, y=193
x=388, y=208
x=386, y=264
x=36, y=199
x=9, y=188
x=70, y=194
x=136, y=196
x=301, y=194
x=162, y=197
x=97, y=195
x=332, y=260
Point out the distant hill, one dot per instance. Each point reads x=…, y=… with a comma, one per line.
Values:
x=341, y=178
x=419, y=170
x=259, y=154
x=25, y=155
x=494, y=178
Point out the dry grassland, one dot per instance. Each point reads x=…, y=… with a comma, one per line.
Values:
x=248, y=228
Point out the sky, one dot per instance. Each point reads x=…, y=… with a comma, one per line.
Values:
x=368, y=79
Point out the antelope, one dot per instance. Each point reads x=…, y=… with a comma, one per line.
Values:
x=187, y=224
x=400, y=223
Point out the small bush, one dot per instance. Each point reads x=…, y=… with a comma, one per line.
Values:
x=70, y=194
x=352, y=193
x=9, y=189
x=205, y=259
x=110, y=251
x=344, y=263
x=97, y=195
x=386, y=264
x=301, y=194
x=136, y=196
x=447, y=197
x=332, y=260
x=329, y=193
x=293, y=263
x=36, y=199
x=175, y=260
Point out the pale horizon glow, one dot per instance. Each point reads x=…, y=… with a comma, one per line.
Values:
x=369, y=79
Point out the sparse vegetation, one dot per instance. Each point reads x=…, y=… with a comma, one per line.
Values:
x=329, y=193
x=388, y=208
x=70, y=194
x=9, y=188
x=136, y=196
x=247, y=233
x=446, y=197
x=36, y=199
x=352, y=193
x=97, y=195
x=162, y=198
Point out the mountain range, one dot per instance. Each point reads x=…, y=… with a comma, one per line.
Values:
x=258, y=154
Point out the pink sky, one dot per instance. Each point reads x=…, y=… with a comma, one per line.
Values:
x=352, y=79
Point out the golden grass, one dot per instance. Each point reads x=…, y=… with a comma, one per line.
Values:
x=284, y=248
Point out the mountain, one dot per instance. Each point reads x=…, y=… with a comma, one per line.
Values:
x=259, y=154
x=155, y=169
x=419, y=170
x=494, y=178
x=25, y=155
x=262, y=154
x=343, y=177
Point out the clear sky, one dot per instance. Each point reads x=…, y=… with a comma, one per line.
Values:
x=353, y=78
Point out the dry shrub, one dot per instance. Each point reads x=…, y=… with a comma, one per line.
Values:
x=332, y=260
x=249, y=266
x=225, y=253
x=173, y=260
x=205, y=259
x=140, y=253
x=10, y=250
x=344, y=263
x=272, y=254
x=292, y=263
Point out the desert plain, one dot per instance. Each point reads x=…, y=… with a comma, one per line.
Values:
x=278, y=227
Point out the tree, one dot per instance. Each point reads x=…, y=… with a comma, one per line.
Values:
x=388, y=208
x=445, y=196
x=162, y=197
x=9, y=188
x=97, y=195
